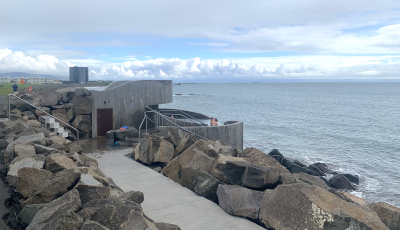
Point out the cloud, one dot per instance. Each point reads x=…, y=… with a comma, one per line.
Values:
x=285, y=67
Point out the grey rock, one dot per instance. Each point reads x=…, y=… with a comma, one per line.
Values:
x=59, y=214
x=83, y=123
x=89, y=180
x=57, y=162
x=240, y=201
x=111, y=213
x=92, y=225
x=40, y=149
x=27, y=132
x=75, y=149
x=205, y=185
x=67, y=97
x=24, y=150
x=303, y=206
x=154, y=149
x=27, y=214
x=389, y=214
x=339, y=181
x=46, y=98
x=3, y=144
x=58, y=185
x=31, y=179
x=292, y=178
x=230, y=169
x=89, y=162
x=34, y=123
x=138, y=221
x=222, y=148
x=37, y=138
x=91, y=192
x=82, y=92
x=15, y=126
x=39, y=113
x=260, y=177
x=70, y=114
x=135, y=196
x=21, y=162
x=62, y=115
x=257, y=157
x=166, y=226
x=83, y=105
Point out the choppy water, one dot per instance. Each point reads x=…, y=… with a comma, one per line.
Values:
x=353, y=127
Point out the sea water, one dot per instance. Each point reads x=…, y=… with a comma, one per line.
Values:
x=352, y=127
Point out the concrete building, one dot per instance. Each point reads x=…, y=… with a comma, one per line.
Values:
x=38, y=80
x=79, y=75
x=5, y=79
x=124, y=103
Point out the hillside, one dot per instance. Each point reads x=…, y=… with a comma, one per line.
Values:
x=20, y=74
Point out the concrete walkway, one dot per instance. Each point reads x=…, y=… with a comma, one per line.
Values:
x=165, y=200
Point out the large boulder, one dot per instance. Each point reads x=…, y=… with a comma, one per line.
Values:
x=292, y=178
x=166, y=226
x=21, y=162
x=83, y=123
x=57, y=162
x=67, y=97
x=27, y=214
x=30, y=179
x=3, y=144
x=205, y=147
x=260, y=177
x=111, y=213
x=135, y=196
x=14, y=126
x=62, y=115
x=40, y=113
x=74, y=149
x=26, y=132
x=173, y=171
x=37, y=138
x=46, y=98
x=70, y=114
x=34, y=123
x=154, y=149
x=303, y=206
x=82, y=92
x=339, y=181
x=123, y=135
x=91, y=192
x=23, y=106
x=83, y=105
x=230, y=169
x=205, y=185
x=24, y=150
x=58, y=139
x=40, y=149
x=59, y=214
x=257, y=157
x=389, y=214
x=178, y=135
x=222, y=148
x=51, y=189
x=240, y=201
x=92, y=225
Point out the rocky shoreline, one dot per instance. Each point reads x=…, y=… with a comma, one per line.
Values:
x=266, y=188
x=49, y=184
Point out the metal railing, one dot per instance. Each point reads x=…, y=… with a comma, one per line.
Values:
x=164, y=117
x=160, y=119
x=187, y=116
x=9, y=114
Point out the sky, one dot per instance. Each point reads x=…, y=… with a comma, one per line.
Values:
x=205, y=40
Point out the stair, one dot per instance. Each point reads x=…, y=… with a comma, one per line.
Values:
x=53, y=126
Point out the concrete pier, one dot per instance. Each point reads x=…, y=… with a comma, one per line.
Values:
x=165, y=200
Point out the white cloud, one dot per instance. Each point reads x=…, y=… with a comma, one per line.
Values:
x=313, y=66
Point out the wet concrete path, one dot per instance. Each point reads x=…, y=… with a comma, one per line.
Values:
x=165, y=200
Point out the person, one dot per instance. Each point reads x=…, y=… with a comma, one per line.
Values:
x=215, y=122
x=15, y=87
x=211, y=121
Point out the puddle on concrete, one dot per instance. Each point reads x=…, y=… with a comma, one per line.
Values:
x=98, y=145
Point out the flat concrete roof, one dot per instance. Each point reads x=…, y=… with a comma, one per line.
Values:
x=165, y=200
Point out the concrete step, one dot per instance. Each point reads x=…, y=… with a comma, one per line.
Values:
x=47, y=119
x=63, y=134
x=52, y=125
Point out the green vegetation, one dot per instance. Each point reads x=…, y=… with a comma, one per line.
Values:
x=6, y=88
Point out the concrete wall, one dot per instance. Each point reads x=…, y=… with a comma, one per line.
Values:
x=125, y=101
x=230, y=133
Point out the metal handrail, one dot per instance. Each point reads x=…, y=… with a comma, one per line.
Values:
x=9, y=114
x=192, y=118
x=194, y=121
x=176, y=124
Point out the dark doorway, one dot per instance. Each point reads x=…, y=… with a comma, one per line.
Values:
x=104, y=121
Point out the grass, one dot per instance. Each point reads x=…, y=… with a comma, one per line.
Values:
x=6, y=88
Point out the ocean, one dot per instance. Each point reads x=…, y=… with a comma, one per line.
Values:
x=352, y=127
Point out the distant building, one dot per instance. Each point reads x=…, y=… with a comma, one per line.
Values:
x=79, y=75
x=5, y=79
x=38, y=80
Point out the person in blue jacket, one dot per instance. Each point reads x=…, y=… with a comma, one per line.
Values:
x=15, y=87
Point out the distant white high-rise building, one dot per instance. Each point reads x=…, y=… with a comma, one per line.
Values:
x=79, y=75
